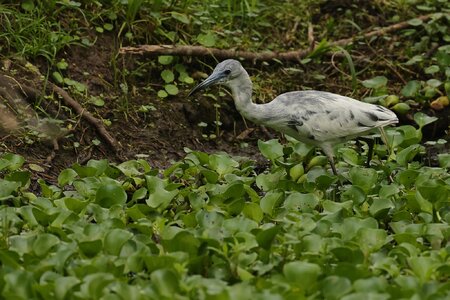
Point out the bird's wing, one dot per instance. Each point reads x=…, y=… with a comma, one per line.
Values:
x=327, y=117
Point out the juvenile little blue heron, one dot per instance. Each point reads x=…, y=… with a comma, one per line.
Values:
x=319, y=118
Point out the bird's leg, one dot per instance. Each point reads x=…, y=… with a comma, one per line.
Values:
x=385, y=141
x=333, y=167
x=370, y=143
x=328, y=150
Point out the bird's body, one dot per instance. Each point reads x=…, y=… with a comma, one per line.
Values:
x=313, y=117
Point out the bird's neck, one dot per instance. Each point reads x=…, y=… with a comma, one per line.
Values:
x=241, y=89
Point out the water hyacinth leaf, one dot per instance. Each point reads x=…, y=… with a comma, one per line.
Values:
x=63, y=286
x=109, y=194
x=363, y=178
x=444, y=160
x=423, y=267
x=23, y=177
x=158, y=197
x=407, y=177
x=270, y=202
x=253, y=211
x=222, y=164
x=335, y=287
x=271, y=149
x=165, y=282
x=184, y=242
x=407, y=154
x=422, y=119
x=375, y=82
x=7, y=188
x=11, y=161
x=267, y=182
x=354, y=194
x=209, y=219
x=371, y=239
x=380, y=207
x=350, y=156
x=411, y=89
x=90, y=248
x=266, y=237
x=18, y=285
x=115, y=239
x=43, y=243
x=301, y=202
x=302, y=274
x=66, y=176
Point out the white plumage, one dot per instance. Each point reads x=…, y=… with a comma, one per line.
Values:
x=313, y=117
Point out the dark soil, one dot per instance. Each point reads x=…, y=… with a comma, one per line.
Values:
x=160, y=136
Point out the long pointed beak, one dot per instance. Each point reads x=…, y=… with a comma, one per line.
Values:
x=212, y=79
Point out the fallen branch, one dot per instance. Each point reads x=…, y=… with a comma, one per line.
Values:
x=72, y=103
x=248, y=55
x=97, y=123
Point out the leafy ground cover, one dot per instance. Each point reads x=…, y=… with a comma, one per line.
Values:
x=211, y=227
x=174, y=218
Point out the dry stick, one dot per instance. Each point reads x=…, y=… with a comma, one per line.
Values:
x=98, y=124
x=269, y=55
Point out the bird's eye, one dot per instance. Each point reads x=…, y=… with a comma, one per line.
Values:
x=227, y=72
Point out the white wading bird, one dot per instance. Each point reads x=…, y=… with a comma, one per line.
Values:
x=313, y=117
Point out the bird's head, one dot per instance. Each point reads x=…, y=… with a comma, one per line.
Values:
x=223, y=73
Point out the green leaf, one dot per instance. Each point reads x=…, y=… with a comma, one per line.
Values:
x=335, y=287
x=43, y=243
x=301, y=202
x=58, y=77
x=432, y=69
x=415, y=22
x=407, y=154
x=162, y=94
x=222, y=164
x=90, y=248
x=27, y=5
x=171, y=89
x=423, y=267
x=180, y=17
x=8, y=187
x=11, y=161
x=167, y=76
x=271, y=149
x=380, y=207
x=444, y=160
x=165, y=59
x=375, y=83
x=165, y=282
x=109, y=194
x=270, y=202
x=422, y=119
x=207, y=40
x=302, y=274
x=363, y=178
x=411, y=88
x=266, y=237
x=158, y=197
x=67, y=176
x=371, y=239
x=115, y=239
